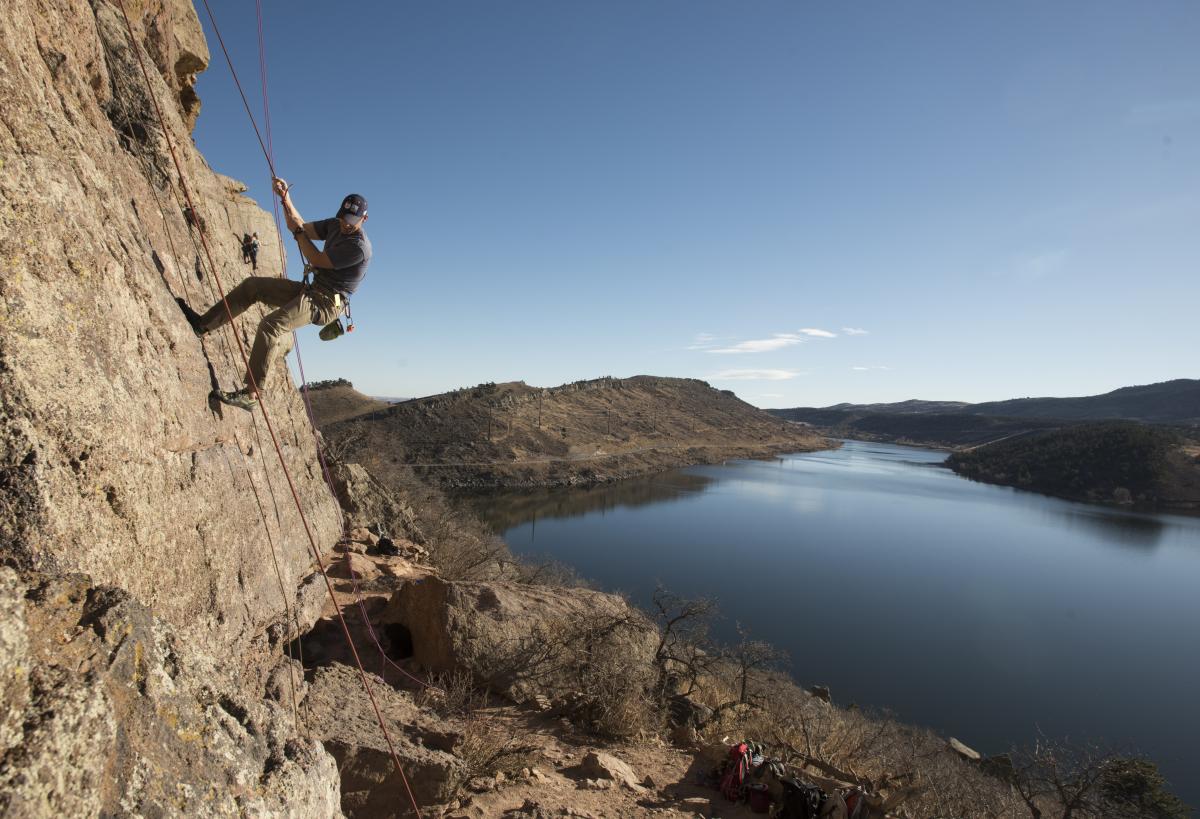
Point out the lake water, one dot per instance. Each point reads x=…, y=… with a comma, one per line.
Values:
x=983, y=612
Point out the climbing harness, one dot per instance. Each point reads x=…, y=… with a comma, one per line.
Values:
x=341, y=303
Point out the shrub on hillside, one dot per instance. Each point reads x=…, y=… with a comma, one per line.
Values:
x=329, y=383
x=1090, y=461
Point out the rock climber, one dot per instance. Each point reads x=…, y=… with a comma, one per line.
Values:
x=254, y=252
x=338, y=270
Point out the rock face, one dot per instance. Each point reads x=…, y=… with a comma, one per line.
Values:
x=342, y=717
x=112, y=461
x=107, y=712
x=519, y=640
x=366, y=503
x=134, y=641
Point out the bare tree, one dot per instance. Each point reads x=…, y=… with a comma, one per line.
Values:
x=1060, y=778
x=752, y=657
x=685, y=654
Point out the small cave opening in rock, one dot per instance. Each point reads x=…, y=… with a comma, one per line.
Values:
x=325, y=643
x=399, y=640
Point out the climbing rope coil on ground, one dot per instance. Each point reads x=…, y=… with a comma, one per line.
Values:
x=216, y=282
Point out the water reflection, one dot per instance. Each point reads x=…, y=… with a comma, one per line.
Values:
x=1123, y=528
x=504, y=511
x=969, y=593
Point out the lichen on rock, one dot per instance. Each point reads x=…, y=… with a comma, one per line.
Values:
x=121, y=717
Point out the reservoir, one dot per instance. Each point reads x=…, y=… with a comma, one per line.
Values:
x=983, y=612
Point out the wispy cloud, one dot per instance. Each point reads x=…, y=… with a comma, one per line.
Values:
x=761, y=345
x=1041, y=265
x=865, y=369
x=854, y=331
x=754, y=375
x=702, y=341
x=777, y=341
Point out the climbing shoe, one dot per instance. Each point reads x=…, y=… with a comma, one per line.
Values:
x=243, y=399
x=193, y=318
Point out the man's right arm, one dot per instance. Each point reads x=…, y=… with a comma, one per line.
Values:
x=292, y=216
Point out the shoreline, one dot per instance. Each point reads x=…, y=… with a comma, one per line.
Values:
x=607, y=468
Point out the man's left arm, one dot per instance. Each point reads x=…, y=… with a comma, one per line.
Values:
x=345, y=254
x=316, y=258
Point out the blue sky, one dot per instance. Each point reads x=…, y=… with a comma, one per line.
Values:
x=805, y=203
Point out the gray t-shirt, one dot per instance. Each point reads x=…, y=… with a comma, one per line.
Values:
x=350, y=255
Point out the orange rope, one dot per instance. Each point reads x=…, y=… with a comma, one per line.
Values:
x=137, y=151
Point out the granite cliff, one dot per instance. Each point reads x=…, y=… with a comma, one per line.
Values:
x=135, y=519
x=112, y=461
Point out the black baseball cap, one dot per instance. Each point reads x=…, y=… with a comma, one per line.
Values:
x=353, y=209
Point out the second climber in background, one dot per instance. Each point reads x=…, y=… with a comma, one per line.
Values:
x=338, y=269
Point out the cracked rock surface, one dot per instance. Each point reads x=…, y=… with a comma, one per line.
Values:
x=112, y=461
x=114, y=715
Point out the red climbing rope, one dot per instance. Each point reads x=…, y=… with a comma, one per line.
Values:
x=262, y=403
x=268, y=150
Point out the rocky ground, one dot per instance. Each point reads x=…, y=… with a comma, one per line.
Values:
x=492, y=757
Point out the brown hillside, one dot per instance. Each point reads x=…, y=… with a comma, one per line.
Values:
x=341, y=401
x=586, y=432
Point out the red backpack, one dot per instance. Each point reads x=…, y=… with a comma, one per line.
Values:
x=735, y=778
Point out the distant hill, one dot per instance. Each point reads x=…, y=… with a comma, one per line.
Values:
x=338, y=400
x=955, y=424
x=938, y=430
x=512, y=434
x=1173, y=402
x=1119, y=462
x=904, y=407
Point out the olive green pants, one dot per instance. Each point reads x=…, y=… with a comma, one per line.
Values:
x=295, y=306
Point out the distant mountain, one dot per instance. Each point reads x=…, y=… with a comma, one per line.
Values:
x=1167, y=402
x=904, y=407
x=1175, y=401
x=957, y=424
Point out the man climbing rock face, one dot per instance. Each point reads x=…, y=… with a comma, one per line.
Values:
x=254, y=252
x=338, y=270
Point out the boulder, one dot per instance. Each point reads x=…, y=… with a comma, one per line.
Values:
x=286, y=681
x=685, y=711
x=341, y=716
x=362, y=534
x=351, y=546
x=969, y=754
x=520, y=640
x=367, y=503
x=1000, y=766
x=355, y=565
x=311, y=599
x=119, y=716
x=601, y=766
